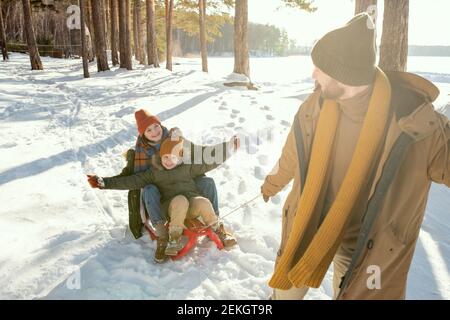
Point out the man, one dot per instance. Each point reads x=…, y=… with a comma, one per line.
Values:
x=363, y=151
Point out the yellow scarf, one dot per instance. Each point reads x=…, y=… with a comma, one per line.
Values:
x=313, y=265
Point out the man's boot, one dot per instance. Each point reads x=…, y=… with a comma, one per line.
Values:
x=227, y=238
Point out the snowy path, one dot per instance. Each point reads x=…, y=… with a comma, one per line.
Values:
x=56, y=127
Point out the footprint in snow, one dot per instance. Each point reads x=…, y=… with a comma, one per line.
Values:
x=274, y=213
x=242, y=187
x=233, y=116
x=241, y=120
x=276, y=199
x=247, y=217
x=285, y=123
x=259, y=173
x=235, y=111
x=270, y=117
x=263, y=159
x=230, y=197
x=231, y=124
x=117, y=233
x=8, y=145
x=227, y=174
x=88, y=196
x=223, y=108
x=117, y=205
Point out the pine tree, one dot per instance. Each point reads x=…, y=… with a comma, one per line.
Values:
x=137, y=34
x=35, y=59
x=106, y=25
x=90, y=24
x=124, y=34
x=84, y=52
x=203, y=47
x=3, y=45
x=99, y=31
x=394, y=40
x=152, y=46
x=114, y=32
x=306, y=5
x=169, y=46
x=241, y=54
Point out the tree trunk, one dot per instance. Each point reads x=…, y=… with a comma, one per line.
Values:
x=105, y=7
x=137, y=32
x=152, y=47
x=114, y=32
x=142, y=38
x=128, y=34
x=169, y=45
x=3, y=45
x=241, y=55
x=124, y=34
x=90, y=23
x=394, y=40
x=363, y=5
x=99, y=31
x=203, y=47
x=35, y=59
x=84, y=52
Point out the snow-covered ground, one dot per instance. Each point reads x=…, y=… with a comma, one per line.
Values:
x=55, y=127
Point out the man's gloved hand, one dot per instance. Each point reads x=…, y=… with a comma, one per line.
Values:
x=95, y=181
x=266, y=198
x=235, y=143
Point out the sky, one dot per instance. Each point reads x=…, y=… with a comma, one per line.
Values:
x=429, y=21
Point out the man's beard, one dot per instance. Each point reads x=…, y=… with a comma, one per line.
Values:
x=332, y=91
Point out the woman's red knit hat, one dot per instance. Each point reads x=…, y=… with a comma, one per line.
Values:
x=144, y=120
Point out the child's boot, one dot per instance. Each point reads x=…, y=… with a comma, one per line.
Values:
x=161, y=243
x=174, y=244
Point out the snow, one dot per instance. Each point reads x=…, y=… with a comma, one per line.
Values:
x=64, y=240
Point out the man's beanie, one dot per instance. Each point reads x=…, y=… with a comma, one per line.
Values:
x=348, y=54
x=144, y=120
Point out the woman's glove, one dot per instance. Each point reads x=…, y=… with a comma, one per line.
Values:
x=96, y=181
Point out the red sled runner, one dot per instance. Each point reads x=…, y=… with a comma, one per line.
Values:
x=194, y=230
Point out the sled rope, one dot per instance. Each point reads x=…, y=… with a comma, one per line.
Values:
x=229, y=213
